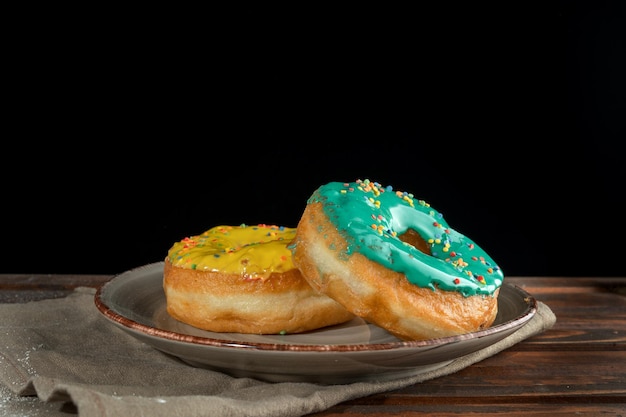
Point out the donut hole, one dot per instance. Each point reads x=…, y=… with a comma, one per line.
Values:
x=414, y=239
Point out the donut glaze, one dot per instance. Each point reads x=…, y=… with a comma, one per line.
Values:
x=373, y=218
x=252, y=252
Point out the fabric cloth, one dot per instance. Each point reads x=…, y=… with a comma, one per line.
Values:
x=65, y=350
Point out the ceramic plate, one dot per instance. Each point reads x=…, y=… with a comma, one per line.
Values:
x=354, y=351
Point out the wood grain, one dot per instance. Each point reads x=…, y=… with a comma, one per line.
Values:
x=576, y=368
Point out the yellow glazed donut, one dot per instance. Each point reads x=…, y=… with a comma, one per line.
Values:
x=394, y=261
x=242, y=279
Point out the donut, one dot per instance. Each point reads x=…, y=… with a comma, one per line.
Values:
x=395, y=262
x=241, y=279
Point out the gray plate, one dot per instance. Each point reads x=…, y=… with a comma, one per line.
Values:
x=354, y=351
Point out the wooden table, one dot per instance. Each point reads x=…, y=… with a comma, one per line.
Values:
x=576, y=368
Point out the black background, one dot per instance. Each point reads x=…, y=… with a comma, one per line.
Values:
x=131, y=132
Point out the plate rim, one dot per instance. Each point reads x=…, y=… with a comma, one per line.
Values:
x=128, y=323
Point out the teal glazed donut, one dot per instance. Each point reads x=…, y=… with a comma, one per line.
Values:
x=404, y=240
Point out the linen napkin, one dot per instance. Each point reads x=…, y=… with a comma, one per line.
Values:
x=64, y=350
